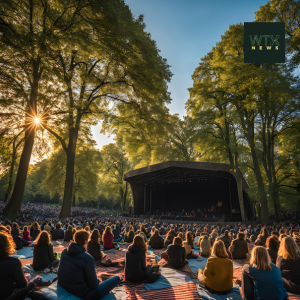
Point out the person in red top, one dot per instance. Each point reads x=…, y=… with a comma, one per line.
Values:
x=26, y=235
x=108, y=239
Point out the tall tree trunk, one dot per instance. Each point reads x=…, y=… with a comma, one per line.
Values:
x=68, y=192
x=14, y=205
x=74, y=200
x=10, y=175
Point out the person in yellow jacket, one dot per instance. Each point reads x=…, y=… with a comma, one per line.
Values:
x=217, y=276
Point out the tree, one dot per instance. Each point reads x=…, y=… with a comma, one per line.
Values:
x=124, y=71
x=115, y=164
x=30, y=30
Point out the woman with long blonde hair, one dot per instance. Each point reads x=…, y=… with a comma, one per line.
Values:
x=261, y=279
x=288, y=262
x=218, y=273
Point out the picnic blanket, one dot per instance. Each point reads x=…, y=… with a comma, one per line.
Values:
x=56, y=292
x=233, y=294
x=61, y=247
x=187, y=291
x=24, y=253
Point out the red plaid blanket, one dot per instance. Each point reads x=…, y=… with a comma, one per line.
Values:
x=114, y=255
x=187, y=291
x=237, y=273
x=61, y=247
x=26, y=261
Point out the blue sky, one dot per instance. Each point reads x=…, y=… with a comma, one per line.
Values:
x=185, y=30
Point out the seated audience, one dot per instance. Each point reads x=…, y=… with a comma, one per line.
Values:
x=296, y=237
x=12, y=279
x=116, y=234
x=288, y=262
x=77, y=274
x=251, y=243
x=34, y=230
x=93, y=246
x=43, y=255
x=197, y=237
x=135, y=263
x=261, y=279
x=263, y=236
x=129, y=238
x=188, y=245
x=169, y=238
x=218, y=273
x=175, y=254
x=239, y=247
x=108, y=239
x=156, y=241
x=272, y=245
x=58, y=233
x=204, y=245
x=25, y=234
x=226, y=239
x=69, y=234
x=19, y=241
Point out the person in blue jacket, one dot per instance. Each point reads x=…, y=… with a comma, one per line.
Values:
x=77, y=273
x=261, y=279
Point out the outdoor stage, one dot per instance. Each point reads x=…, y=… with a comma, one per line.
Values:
x=177, y=185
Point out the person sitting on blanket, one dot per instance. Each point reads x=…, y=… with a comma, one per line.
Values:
x=156, y=241
x=77, y=274
x=43, y=255
x=261, y=279
x=129, y=237
x=25, y=234
x=272, y=245
x=288, y=262
x=169, y=238
x=218, y=273
x=135, y=262
x=69, y=234
x=93, y=246
x=175, y=254
x=12, y=278
x=108, y=239
x=189, y=245
x=204, y=245
x=116, y=234
x=34, y=230
x=19, y=241
x=58, y=233
x=239, y=247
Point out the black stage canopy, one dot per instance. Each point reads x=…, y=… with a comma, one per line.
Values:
x=174, y=185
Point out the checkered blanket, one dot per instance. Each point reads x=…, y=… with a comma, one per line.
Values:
x=185, y=270
x=237, y=273
x=187, y=291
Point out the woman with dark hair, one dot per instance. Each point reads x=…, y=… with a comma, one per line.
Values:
x=204, y=245
x=264, y=234
x=156, y=241
x=58, y=233
x=135, y=263
x=108, y=239
x=34, y=230
x=129, y=237
x=25, y=234
x=69, y=234
x=43, y=255
x=169, y=238
x=175, y=254
x=239, y=247
x=226, y=239
x=261, y=279
x=189, y=245
x=272, y=245
x=19, y=241
x=93, y=246
x=288, y=262
x=12, y=277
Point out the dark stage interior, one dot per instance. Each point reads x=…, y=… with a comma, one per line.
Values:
x=174, y=186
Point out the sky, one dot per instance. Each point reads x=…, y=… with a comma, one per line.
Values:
x=185, y=31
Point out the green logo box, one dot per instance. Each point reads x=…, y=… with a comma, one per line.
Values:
x=264, y=42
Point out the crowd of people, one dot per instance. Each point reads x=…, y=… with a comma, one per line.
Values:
x=209, y=214
x=272, y=271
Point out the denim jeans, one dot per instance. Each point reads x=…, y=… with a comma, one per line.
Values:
x=105, y=287
x=118, y=240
